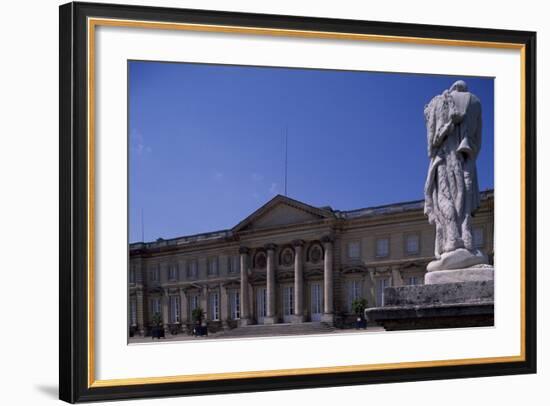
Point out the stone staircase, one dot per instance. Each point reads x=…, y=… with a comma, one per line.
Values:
x=281, y=329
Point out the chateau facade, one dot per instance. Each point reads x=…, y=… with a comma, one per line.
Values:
x=288, y=262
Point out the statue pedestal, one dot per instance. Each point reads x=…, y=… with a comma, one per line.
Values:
x=438, y=305
x=472, y=274
x=458, y=259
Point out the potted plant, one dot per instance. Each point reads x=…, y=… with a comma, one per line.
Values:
x=197, y=314
x=358, y=306
x=157, y=330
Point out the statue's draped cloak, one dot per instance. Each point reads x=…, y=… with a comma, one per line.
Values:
x=453, y=122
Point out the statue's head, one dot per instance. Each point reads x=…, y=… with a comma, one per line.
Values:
x=459, y=86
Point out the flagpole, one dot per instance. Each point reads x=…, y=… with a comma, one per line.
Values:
x=286, y=160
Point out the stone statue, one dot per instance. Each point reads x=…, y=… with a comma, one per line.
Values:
x=453, y=122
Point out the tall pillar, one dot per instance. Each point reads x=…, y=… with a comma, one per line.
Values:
x=165, y=319
x=298, y=282
x=139, y=311
x=271, y=317
x=328, y=313
x=224, y=306
x=244, y=291
x=184, y=309
x=204, y=303
x=396, y=278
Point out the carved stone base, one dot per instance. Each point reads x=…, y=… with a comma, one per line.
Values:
x=457, y=259
x=445, y=305
x=472, y=274
x=297, y=319
x=245, y=322
x=327, y=318
x=270, y=320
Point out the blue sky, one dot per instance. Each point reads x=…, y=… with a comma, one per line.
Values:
x=206, y=142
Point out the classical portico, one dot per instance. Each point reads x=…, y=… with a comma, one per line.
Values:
x=294, y=294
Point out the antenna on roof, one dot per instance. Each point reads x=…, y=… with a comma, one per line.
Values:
x=286, y=159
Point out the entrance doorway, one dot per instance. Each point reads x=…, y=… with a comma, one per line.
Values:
x=316, y=305
x=288, y=303
x=261, y=305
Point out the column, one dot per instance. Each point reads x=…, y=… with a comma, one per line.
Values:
x=139, y=311
x=165, y=319
x=370, y=288
x=224, y=306
x=141, y=297
x=244, y=292
x=298, y=282
x=271, y=317
x=184, y=309
x=396, y=278
x=204, y=304
x=328, y=312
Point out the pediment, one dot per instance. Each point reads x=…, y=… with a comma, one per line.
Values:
x=282, y=211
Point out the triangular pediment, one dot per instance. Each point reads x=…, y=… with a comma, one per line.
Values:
x=282, y=211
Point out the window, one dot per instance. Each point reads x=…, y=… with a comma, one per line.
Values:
x=412, y=244
x=155, y=274
x=172, y=272
x=382, y=247
x=235, y=304
x=412, y=280
x=354, y=291
x=288, y=300
x=383, y=283
x=214, y=300
x=478, y=237
x=316, y=301
x=192, y=269
x=354, y=251
x=213, y=266
x=174, y=309
x=132, y=276
x=193, y=303
x=155, y=306
x=133, y=312
x=233, y=264
x=261, y=302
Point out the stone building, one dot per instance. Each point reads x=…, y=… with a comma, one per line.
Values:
x=288, y=262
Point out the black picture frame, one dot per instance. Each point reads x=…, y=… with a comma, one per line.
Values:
x=74, y=380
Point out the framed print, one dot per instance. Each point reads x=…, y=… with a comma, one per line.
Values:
x=258, y=202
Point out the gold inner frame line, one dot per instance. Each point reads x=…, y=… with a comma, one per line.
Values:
x=94, y=22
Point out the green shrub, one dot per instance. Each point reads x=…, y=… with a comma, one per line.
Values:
x=197, y=314
x=358, y=306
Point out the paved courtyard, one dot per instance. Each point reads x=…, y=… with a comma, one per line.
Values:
x=254, y=331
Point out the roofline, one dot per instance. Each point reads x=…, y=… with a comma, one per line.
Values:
x=319, y=211
x=397, y=204
x=230, y=231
